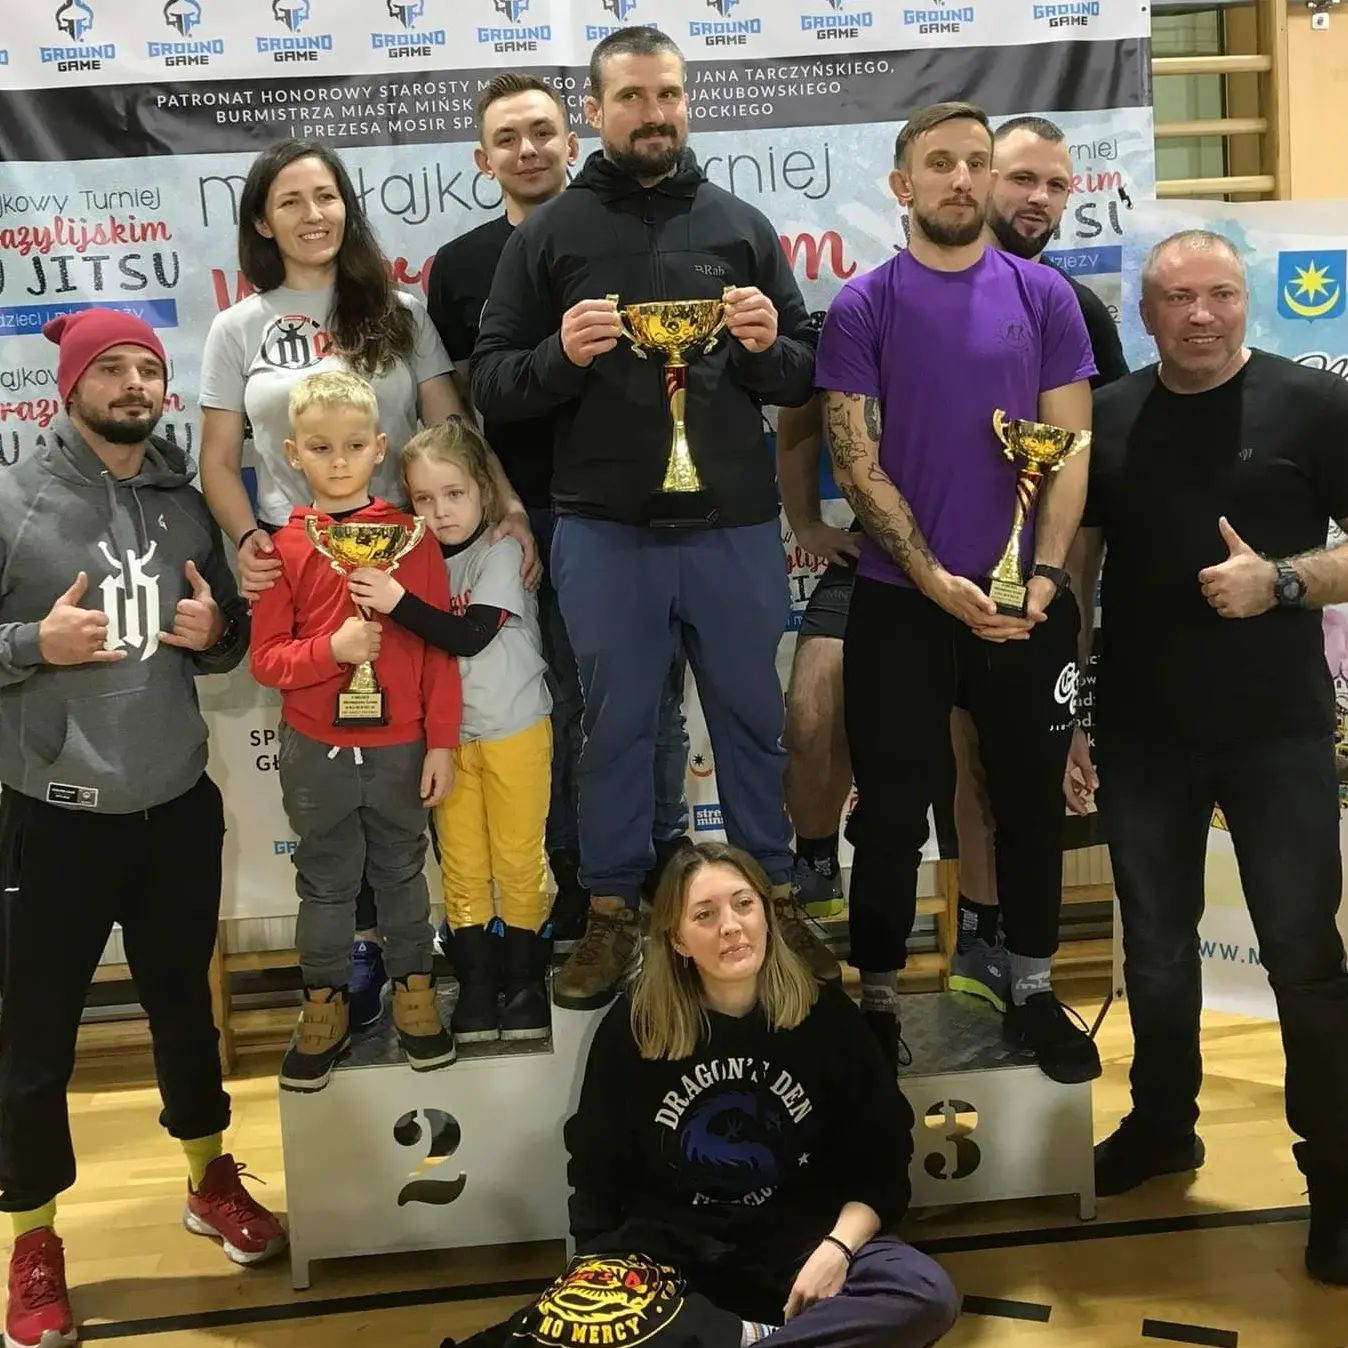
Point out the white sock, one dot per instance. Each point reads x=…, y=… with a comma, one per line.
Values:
x=880, y=992
x=753, y=1332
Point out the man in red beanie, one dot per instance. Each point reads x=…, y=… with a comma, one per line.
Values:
x=117, y=595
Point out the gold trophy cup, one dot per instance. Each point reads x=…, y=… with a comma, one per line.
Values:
x=347, y=547
x=676, y=328
x=1036, y=449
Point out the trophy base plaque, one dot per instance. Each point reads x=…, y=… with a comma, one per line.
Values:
x=681, y=510
x=360, y=709
x=1009, y=598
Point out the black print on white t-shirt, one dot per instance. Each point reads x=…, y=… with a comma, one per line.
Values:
x=295, y=342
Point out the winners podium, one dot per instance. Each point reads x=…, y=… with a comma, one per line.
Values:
x=989, y=1124
x=387, y=1159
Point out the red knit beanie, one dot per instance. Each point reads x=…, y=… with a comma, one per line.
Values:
x=86, y=335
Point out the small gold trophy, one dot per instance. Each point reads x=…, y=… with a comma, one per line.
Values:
x=348, y=546
x=676, y=327
x=1035, y=448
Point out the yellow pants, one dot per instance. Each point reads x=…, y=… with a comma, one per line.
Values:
x=492, y=828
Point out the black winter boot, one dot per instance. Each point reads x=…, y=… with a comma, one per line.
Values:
x=477, y=1013
x=525, y=1014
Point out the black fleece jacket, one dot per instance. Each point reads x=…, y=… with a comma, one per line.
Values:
x=742, y=1155
x=684, y=238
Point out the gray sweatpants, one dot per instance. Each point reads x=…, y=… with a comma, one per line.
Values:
x=355, y=818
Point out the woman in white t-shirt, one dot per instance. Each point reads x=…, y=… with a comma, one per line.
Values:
x=323, y=300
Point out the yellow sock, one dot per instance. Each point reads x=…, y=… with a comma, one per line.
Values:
x=200, y=1152
x=24, y=1222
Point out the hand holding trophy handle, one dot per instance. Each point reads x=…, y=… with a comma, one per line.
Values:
x=627, y=328
x=1036, y=449
x=348, y=547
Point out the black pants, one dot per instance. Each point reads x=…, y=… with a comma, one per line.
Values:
x=1280, y=800
x=904, y=662
x=67, y=877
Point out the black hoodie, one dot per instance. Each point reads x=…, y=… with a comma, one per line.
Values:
x=684, y=238
x=741, y=1156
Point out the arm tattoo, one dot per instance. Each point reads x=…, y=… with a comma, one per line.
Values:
x=857, y=469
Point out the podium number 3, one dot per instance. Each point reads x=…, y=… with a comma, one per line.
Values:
x=955, y=1120
x=439, y=1133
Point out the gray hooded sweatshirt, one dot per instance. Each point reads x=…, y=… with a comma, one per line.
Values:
x=128, y=735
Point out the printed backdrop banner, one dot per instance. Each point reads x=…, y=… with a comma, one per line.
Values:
x=1296, y=257
x=127, y=126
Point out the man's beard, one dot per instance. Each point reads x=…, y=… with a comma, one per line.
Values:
x=638, y=165
x=117, y=431
x=1013, y=241
x=949, y=236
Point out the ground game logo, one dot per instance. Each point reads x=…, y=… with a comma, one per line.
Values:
x=292, y=14
x=75, y=19
x=182, y=15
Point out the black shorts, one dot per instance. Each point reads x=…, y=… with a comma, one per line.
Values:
x=826, y=611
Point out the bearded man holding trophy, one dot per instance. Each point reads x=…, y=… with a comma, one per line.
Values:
x=653, y=315
x=958, y=409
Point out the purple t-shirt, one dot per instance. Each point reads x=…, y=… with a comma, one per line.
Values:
x=943, y=351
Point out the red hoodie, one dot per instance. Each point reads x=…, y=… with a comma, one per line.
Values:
x=293, y=623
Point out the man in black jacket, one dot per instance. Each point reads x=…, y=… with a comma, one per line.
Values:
x=641, y=222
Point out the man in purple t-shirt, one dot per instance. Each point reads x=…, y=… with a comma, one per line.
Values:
x=914, y=359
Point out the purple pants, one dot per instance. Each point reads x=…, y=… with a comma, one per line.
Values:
x=894, y=1297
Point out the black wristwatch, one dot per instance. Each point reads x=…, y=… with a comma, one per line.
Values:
x=1289, y=590
x=1054, y=573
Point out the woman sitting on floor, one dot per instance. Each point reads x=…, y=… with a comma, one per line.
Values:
x=739, y=1145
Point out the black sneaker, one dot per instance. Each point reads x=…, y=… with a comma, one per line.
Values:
x=1327, y=1245
x=888, y=1032
x=524, y=1014
x=477, y=1013
x=1134, y=1153
x=1065, y=1051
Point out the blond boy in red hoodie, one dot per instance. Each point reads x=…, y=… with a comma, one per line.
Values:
x=356, y=796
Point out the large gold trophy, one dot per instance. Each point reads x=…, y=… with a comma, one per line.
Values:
x=347, y=547
x=1036, y=449
x=676, y=328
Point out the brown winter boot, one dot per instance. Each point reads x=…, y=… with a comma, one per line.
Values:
x=606, y=957
x=320, y=1039
x=795, y=929
x=416, y=1017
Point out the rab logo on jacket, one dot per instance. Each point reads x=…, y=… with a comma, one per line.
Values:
x=131, y=601
x=603, y=1299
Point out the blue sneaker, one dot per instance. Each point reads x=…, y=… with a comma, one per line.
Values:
x=818, y=894
x=982, y=971
x=368, y=981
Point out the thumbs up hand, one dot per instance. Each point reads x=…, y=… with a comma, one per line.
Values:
x=197, y=622
x=1242, y=585
x=71, y=635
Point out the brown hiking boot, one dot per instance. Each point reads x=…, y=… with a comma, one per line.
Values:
x=416, y=1017
x=795, y=929
x=608, y=955
x=320, y=1039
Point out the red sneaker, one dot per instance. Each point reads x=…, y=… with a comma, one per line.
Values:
x=222, y=1207
x=39, y=1306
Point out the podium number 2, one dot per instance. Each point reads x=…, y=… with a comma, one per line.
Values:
x=440, y=1134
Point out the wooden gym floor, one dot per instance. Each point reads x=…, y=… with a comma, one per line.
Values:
x=1216, y=1261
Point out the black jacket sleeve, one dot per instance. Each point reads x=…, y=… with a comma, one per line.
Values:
x=466, y=634
x=873, y=1167
x=519, y=367
x=783, y=375
x=598, y=1136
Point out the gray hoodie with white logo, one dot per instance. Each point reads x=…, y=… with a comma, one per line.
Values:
x=126, y=735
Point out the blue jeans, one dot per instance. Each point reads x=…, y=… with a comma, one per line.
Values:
x=631, y=595
x=670, y=819
x=1280, y=800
